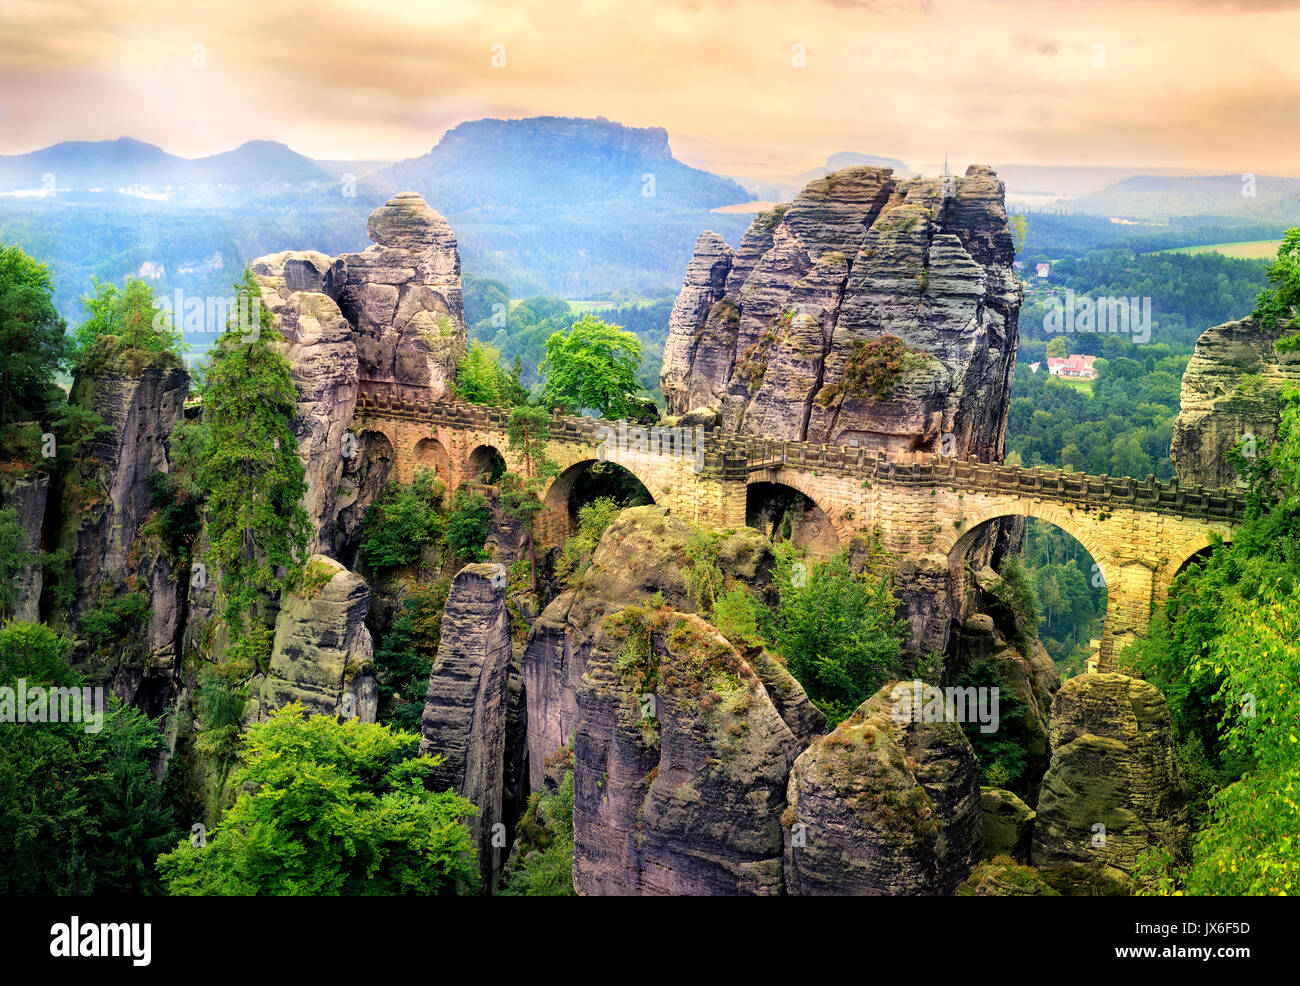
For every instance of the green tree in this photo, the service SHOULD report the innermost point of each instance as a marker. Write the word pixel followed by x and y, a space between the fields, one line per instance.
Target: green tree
pixel 528 430
pixel 592 365
pixel 32 342
pixel 127 314
pixel 482 379
pixel 542 862
pixel 330 809
pixel 14 557
pixel 403 522
pixel 836 630
pixel 1277 306
pixel 252 475
pixel 468 525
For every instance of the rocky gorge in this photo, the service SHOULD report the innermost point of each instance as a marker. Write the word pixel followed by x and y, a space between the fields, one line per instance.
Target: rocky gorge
pixel 871 312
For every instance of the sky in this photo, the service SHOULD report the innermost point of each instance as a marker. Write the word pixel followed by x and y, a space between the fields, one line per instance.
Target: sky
pixel 761 87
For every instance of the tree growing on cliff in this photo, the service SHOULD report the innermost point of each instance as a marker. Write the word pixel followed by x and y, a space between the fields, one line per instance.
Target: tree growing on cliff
pixel 1280 303
pixel 527 432
pixel 129 316
pixel 591 366
pixel 328 808
pixel 257 527
pixel 32 342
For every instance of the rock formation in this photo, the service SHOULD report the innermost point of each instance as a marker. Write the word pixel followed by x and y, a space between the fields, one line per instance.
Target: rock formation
pixel 465 709
pixel 764 334
pixel 110 550
pixel 403 298
pixel 1007 823
pixel 1230 390
pixel 883 807
pixel 323 362
pixel 322 654
pixel 27 497
pixel 680 763
pixel 1114 789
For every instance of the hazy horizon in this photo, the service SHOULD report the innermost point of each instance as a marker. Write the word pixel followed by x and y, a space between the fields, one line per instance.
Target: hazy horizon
pixel 754 89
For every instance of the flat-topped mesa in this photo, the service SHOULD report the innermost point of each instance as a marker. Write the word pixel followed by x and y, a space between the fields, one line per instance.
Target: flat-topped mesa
pixel 403 298
pixel 780 335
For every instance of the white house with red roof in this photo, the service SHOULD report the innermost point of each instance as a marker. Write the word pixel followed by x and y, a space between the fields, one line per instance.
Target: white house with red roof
pixel 1076 367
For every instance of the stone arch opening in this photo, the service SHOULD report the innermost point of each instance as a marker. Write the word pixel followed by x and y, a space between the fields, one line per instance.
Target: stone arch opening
pixel 784 513
pixel 432 454
pixel 584 482
pixel 486 465
pixel 1065 573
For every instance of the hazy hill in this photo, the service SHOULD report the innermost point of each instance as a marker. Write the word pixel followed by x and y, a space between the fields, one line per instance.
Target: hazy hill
pixel 1159 196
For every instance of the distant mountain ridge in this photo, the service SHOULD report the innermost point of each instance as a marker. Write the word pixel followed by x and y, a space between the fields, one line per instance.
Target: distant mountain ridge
pixel 127 162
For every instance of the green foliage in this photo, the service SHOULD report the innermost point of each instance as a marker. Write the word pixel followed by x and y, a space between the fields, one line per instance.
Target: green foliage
pixel 468 525
pixel 115 621
pixel 528 431
pixel 542 863
pixel 1001 753
pixel 177 500
pixel 482 379
pixel 1015 597
pixel 330 809
pixel 252 475
pixel 32 345
pixel 872 369
pixel 403 522
pixel 594 519
pixel 1277 306
pixel 90 794
pixel 405 656
pixel 126 316
pixel 836 630
pixel 736 614
pixel 591 366
pixel 14 557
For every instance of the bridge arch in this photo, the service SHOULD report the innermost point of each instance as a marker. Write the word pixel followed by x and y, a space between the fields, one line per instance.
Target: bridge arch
pixel 780 508
pixel 486 463
pixel 432 454
pixel 842 522
pixel 557 519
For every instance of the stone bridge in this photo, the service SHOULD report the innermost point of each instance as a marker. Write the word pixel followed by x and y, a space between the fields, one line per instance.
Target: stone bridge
pixel 1139 533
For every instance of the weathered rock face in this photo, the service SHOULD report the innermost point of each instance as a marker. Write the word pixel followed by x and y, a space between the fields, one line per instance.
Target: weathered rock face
pixel 1114 789
pixel 642 552
pixel 110 550
pixel 1230 390
pixel 27 497
pixel 465 709
pixel 403 297
pixel 322 654
pixel 680 762
pixel 1007 822
pixel 1004 877
pixel 323 361
pixel 764 333
pixel 883 807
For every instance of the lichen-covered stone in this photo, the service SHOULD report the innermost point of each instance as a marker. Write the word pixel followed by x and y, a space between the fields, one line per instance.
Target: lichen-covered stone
pixel 1007 822
pixel 883 807
pixel 1004 877
pixel 27 498
pixel 1113 789
pixel 1230 390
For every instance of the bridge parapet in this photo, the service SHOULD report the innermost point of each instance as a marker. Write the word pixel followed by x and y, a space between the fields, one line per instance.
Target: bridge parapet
pixel 733 459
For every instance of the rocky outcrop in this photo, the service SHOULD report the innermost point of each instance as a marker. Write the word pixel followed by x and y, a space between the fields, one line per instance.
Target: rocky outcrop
pixel 680 764
pixel 883 807
pixel 111 551
pixel 322 654
pixel 1114 789
pixel 323 366
pixel 466 706
pixel 1004 877
pixel 765 334
pixel 1230 391
pixel 27 497
pixel 403 297
pixel 1007 823
pixel 642 553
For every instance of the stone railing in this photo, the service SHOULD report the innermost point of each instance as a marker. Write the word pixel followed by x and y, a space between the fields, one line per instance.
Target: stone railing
pixel 735 458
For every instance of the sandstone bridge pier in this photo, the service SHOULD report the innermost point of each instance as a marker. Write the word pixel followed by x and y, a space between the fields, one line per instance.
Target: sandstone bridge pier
pixel 1139 533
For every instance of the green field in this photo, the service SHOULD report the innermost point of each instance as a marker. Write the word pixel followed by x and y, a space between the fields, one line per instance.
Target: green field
pixel 1250 250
